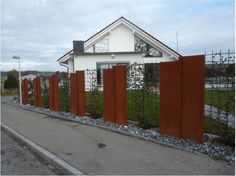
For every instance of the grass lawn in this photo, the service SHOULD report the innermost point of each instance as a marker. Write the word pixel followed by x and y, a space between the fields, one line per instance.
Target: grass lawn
pixel 9 92
pixel 215 127
pixel 144 106
pixel 221 99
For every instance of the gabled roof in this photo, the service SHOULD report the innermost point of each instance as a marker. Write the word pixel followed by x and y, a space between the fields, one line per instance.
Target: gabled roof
pixel 136 30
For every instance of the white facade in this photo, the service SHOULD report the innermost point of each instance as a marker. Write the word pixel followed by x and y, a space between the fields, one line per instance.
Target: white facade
pixel 90 61
pixel 117 43
pixel 121 39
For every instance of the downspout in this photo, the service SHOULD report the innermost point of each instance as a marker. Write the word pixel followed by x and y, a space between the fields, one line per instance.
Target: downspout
pixel 67 67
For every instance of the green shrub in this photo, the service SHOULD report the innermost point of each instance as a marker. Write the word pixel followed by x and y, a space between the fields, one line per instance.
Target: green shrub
pixel 144 107
pixel 45 100
pixel 94 102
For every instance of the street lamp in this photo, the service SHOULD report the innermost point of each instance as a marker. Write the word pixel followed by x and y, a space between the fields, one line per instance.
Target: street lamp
pixel 18 57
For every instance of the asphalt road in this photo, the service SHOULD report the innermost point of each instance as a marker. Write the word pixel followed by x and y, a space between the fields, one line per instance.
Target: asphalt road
pixel 17 160
pixel 98 151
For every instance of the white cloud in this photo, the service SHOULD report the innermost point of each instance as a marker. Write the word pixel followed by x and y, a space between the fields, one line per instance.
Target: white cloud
pixel 42 30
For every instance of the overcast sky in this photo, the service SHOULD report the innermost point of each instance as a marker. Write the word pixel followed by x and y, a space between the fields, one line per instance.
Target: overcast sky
pixel 40 31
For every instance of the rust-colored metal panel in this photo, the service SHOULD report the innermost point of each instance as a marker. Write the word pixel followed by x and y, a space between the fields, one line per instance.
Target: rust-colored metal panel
pixel 108 95
pixel 81 93
pixel 193 97
pixel 50 93
pixel 170 98
pixel 56 92
pixel 35 93
pixel 38 85
pixel 73 93
pixel 26 91
pixel 120 94
pixel 23 91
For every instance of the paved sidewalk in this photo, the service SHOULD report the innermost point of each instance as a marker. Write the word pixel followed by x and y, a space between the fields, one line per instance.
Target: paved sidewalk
pixel 16 160
pixel 97 151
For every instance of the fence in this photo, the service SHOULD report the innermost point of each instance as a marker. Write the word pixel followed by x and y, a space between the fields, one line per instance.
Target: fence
pixel 94 94
pixel 143 89
pixel 143 95
pixel 220 95
pixel 182 97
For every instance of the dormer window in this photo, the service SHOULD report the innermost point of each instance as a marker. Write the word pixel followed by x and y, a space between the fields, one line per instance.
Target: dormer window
pixel 150 51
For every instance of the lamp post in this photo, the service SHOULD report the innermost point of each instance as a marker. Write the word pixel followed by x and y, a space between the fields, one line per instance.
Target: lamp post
pixel 18 57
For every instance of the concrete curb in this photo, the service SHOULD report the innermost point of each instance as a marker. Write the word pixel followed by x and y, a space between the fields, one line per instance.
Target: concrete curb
pixel 45 154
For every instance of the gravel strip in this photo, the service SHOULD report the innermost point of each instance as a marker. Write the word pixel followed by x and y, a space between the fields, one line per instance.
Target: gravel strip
pixel 220 115
pixel 215 151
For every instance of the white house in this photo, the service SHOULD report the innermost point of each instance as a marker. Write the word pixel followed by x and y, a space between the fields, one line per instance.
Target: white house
pixel 121 42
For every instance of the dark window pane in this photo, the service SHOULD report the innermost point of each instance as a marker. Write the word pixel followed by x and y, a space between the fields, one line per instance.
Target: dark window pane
pixel 140 45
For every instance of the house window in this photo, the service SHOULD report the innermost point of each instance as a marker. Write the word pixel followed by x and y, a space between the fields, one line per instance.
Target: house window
pixel 90 50
pixel 152 72
pixel 140 45
pixel 101 46
pixel 102 66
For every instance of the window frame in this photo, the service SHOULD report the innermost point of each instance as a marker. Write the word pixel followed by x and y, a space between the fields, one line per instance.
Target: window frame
pixel 111 63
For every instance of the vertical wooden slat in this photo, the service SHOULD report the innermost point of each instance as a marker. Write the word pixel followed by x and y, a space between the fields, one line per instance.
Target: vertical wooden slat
pixel 108 95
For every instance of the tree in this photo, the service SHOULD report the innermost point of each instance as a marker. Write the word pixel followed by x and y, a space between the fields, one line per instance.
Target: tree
pixel 12 80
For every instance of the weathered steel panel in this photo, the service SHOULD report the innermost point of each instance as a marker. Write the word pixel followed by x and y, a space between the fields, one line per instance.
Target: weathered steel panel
pixel 193 97
pixel 81 93
pixel 73 93
pixel 56 92
pixel 120 82
pixel 35 92
pixel 38 85
pixel 170 98
pixel 50 93
pixel 23 91
pixel 108 95
pixel 26 92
